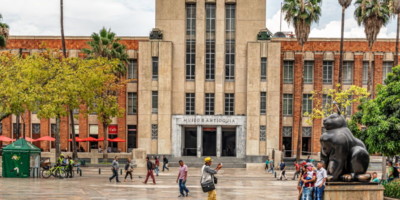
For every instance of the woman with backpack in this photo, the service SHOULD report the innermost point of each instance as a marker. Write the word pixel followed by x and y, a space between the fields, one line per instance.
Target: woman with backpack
pixel 128 169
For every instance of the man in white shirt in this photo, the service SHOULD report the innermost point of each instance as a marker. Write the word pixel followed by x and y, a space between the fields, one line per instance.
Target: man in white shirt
pixel 320 183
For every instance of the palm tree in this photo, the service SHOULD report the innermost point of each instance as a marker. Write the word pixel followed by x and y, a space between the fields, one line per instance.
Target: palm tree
pixel 106 44
pixel 395 7
pixel 301 14
pixel 345 4
pixel 4 31
pixel 372 14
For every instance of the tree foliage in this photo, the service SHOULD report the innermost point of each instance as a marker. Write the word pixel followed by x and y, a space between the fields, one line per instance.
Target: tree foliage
pixel 336 100
pixel 4 31
pixel 378 121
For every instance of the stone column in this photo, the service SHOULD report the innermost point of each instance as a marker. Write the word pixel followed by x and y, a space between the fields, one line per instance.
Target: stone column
pixel 199 141
pixel 219 141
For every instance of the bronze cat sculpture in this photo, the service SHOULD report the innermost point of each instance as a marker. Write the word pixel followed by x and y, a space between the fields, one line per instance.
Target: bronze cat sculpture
pixel 345 156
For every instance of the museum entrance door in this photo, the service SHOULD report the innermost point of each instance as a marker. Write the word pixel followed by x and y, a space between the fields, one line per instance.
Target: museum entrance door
pixel 228 142
pixel 209 142
pixel 190 144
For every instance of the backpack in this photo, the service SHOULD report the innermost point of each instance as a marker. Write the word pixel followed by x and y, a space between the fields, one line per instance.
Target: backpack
pixel 395 172
pixel 153 166
pixel 126 166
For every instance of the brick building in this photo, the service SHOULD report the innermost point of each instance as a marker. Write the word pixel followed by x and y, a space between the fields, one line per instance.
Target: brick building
pixel 209 86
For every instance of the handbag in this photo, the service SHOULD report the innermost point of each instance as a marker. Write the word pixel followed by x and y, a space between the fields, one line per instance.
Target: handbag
pixel 215 180
pixel 207 185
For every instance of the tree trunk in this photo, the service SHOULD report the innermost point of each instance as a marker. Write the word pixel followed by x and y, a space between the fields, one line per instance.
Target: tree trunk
pixel 74 153
pixel 341 50
pixel 396 57
pixel 370 70
pixel 299 136
pixel 105 133
pixel 62 28
pixel 17 123
pixel 57 137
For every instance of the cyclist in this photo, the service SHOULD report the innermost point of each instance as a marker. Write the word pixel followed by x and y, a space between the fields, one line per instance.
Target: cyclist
pixel 60 160
pixel 70 167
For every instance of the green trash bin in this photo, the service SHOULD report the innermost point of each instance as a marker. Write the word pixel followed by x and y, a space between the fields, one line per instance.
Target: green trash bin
pixel 17 159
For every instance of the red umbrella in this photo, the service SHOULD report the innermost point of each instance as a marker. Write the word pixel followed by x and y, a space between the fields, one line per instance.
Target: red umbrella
pixel 46 138
pixel 91 139
pixel 6 139
pixel 29 139
pixel 117 140
pixel 77 140
pixel 100 139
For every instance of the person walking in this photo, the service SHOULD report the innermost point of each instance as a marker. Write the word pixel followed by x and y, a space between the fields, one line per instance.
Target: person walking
pixel 207 174
pixel 282 167
pixel 165 163
pixel 320 182
pixel 70 167
pixel 114 169
pixel 150 168
pixel 308 180
pixel 390 171
pixel 297 170
pixel 271 166
pixel 157 165
pixel 181 180
pixel 266 165
pixel 128 169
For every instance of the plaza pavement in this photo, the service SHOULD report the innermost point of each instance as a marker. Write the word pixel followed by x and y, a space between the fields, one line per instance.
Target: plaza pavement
pixel 233 184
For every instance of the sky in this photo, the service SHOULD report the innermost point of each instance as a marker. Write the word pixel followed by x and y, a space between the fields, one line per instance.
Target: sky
pixel 137 18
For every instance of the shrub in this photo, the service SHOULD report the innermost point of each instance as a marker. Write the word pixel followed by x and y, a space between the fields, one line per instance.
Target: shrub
pixel 392 189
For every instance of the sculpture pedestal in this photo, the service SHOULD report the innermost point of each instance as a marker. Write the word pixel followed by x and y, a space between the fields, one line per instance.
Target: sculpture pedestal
pixel 353 191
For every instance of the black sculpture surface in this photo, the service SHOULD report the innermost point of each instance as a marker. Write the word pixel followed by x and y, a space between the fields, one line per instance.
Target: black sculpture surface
pixel 344 155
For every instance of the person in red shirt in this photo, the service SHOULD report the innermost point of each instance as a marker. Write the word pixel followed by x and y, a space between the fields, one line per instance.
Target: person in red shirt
pixel 308 179
pixel 157 163
pixel 297 172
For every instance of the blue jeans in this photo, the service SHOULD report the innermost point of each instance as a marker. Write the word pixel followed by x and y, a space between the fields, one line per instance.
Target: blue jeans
pixel 319 193
pixel 182 187
pixel 115 175
pixel 307 193
pixel 156 170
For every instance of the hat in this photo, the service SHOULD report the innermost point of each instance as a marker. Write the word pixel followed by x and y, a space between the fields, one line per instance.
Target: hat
pixel 208 159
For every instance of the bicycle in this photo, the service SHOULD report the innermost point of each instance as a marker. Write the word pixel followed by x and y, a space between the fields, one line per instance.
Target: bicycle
pixel 56 171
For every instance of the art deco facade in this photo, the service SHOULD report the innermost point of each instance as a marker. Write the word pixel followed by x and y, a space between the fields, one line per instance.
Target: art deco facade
pixel 209 86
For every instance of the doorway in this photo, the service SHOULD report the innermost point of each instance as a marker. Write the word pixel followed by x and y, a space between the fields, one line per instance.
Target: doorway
pixel 228 142
pixel 190 145
pixel 287 143
pixel 209 142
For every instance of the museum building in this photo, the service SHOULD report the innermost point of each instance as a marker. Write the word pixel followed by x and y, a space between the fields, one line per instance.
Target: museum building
pixel 209 81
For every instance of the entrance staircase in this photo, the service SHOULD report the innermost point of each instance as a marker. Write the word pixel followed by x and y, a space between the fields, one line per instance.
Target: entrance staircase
pixel 192 161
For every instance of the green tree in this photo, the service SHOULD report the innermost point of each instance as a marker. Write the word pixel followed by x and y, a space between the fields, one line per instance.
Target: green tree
pixel 301 14
pixel 378 121
pixel 372 14
pixel 106 44
pixel 345 4
pixel 336 100
pixel 395 8
pixel 4 31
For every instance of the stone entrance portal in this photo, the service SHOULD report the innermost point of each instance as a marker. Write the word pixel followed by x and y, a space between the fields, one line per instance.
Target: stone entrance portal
pixel 209 136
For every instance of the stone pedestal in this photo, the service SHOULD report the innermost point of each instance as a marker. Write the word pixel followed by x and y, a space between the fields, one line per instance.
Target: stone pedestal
pixel 353 191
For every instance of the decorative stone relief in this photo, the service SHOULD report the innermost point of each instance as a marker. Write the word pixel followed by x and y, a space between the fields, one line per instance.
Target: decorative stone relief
pixel 263 135
pixel 154 131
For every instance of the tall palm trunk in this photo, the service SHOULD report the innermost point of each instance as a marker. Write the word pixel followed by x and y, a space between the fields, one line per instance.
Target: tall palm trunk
pixel 62 28
pixel 396 57
pixel 300 128
pixel 370 87
pixel 341 49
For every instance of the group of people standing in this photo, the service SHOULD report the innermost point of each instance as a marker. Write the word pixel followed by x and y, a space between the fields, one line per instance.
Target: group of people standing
pixel 311 184
pixel 68 163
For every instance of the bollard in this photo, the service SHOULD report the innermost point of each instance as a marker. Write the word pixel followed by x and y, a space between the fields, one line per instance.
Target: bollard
pixel 80 172
pixel 99 171
pixel 275 174
pixel 121 171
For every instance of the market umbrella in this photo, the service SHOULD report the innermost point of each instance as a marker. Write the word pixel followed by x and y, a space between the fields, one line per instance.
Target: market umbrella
pixel 77 140
pixel 100 139
pixel 117 140
pixel 91 139
pixel 6 139
pixel 29 139
pixel 46 138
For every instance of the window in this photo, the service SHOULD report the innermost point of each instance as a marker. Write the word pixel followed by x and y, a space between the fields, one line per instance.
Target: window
pixel 263 133
pixel 306 131
pixel 365 73
pixel 53 128
pixel 155 68
pixel 1 128
pixel 287 104
pixel 35 128
pixel 132 69
pixel 209 104
pixel 154 100
pixel 210 41
pixel 288 72
pixel 306 140
pixel 190 103
pixel 387 68
pixel 190 41
pixel 347 73
pixel 230 30
pixel 308 72
pixel 287 131
pixel 132 103
pixel 263 69
pixel 349 109
pixel 307 103
pixel 229 104
pixel 15 128
pixel 132 136
pixel 93 129
pixel 75 111
pixel 154 131
pixel 76 129
pixel 327 72
pixel 287 140
pixel 263 103
pixel 326 101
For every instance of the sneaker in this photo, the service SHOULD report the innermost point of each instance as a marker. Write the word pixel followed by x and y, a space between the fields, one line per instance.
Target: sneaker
pixel 109 179
pixel 181 195
pixel 187 194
